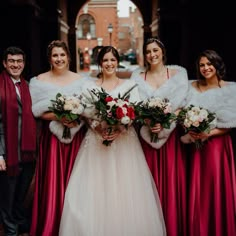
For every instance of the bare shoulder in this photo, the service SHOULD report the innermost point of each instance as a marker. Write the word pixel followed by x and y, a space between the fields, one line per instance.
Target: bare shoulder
pixel 44 76
pixel 98 82
pixel 223 83
pixel 142 74
pixel 174 70
pixel 74 75
pixel 195 84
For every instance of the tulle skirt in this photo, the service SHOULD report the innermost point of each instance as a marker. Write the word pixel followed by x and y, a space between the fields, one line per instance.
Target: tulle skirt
pixel 111 191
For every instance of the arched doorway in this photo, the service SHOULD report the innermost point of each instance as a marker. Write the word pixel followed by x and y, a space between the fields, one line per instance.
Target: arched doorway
pixel 123 31
pixel 149 22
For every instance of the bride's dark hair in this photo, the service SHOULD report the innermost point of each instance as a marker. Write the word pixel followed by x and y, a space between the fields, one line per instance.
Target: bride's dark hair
pixel 105 50
pixel 101 54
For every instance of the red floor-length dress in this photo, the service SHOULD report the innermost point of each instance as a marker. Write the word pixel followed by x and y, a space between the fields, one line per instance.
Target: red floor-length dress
pixel 168 167
pixel 54 164
pixel 212 179
pixel 212 189
pixel 168 163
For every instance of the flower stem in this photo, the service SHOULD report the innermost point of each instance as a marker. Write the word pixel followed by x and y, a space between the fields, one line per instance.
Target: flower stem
pixel 154 137
pixel 66 133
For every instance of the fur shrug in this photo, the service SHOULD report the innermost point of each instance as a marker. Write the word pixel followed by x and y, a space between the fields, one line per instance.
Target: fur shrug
pixel 43 92
pixel 175 89
pixel 218 100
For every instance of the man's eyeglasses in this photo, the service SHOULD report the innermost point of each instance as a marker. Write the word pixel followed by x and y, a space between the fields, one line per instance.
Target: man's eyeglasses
pixel 12 61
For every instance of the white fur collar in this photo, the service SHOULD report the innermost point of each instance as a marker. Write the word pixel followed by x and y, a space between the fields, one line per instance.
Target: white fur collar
pixel 42 93
pixel 219 100
pixel 175 89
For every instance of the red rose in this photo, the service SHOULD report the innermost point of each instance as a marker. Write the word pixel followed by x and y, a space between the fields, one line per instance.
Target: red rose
pixel 119 112
pixel 108 99
pixel 130 113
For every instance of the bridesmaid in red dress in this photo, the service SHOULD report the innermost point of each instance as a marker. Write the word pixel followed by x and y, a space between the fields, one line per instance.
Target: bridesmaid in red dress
pixel 56 154
pixel 212 186
pixel 166 158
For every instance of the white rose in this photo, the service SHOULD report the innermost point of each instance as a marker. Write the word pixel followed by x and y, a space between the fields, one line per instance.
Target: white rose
pixel 187 123
pixel 125 120
pixel 203 113
pixel 124 109
pixel 121 102
pixel 61 98
pixel 68 107
pixel 78 110
pixel 213 124
pixel 111 103
pixel 195 109
pixel 196 124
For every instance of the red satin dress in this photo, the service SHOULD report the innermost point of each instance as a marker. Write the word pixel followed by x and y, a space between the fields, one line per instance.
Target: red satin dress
pixel 212 189
pixel 168 168
pixel 54 166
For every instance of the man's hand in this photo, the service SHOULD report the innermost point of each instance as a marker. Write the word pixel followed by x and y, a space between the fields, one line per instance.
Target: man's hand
pixel 2 165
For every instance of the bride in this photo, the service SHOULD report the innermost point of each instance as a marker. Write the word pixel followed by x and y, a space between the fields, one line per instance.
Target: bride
pixel 111 191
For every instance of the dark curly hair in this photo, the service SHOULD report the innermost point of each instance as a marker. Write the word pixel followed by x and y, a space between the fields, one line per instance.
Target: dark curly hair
pixel 216 61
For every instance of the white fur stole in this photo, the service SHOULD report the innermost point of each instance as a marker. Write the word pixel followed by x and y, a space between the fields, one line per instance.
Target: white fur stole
pixel 163 135
pixel 57 129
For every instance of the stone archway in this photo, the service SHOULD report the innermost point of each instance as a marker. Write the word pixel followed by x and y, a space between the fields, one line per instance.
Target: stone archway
pixel 73 6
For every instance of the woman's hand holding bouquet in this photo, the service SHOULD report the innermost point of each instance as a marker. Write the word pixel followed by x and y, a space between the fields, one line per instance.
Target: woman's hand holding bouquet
pixel 112 115
pixel 197 123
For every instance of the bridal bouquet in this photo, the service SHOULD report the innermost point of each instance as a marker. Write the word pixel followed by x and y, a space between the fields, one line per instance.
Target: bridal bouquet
pixel 68 107
pixel 196 119
pixel 113 113
pixel 153 111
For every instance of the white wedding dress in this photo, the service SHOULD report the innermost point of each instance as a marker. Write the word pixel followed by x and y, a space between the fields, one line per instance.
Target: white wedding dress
pixel 111 191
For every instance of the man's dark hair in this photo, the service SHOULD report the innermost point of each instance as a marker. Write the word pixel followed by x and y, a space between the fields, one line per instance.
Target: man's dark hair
pixel 13 51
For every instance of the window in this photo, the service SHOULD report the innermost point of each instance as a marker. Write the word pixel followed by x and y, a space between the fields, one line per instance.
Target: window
pixel 86 24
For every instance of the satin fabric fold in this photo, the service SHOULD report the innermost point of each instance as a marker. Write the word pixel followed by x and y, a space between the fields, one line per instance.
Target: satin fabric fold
pixel 53 170
pixel 212 191
pixel 168 168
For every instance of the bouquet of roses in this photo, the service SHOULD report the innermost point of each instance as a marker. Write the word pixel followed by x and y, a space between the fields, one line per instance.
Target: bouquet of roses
pixel 153 111
pixel 113 113
pixel 68 107
pixel 196 119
